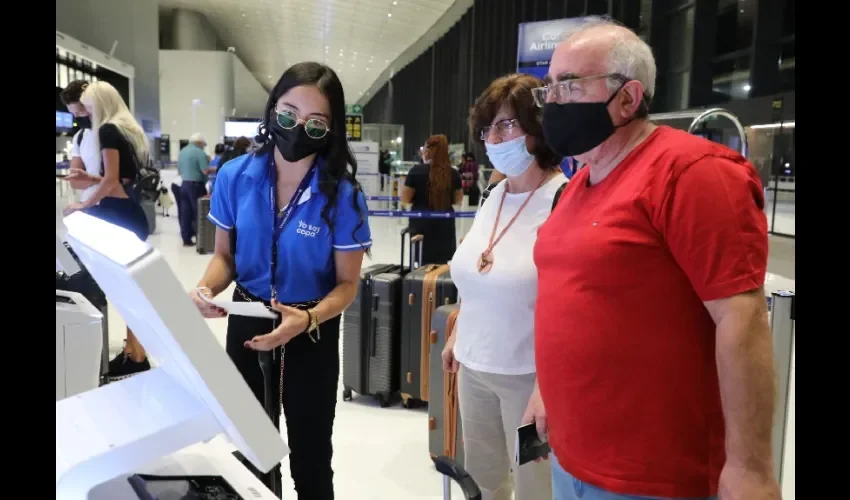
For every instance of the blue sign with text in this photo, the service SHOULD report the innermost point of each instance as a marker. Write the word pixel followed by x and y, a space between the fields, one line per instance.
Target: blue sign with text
pixel 537 42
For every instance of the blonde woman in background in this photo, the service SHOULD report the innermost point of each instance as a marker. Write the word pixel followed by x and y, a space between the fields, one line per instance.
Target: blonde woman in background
pixel 123 148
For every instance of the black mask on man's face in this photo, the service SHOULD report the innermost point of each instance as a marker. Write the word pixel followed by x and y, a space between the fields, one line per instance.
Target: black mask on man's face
pixel 294 144
pixel 83 121
pixel 575 128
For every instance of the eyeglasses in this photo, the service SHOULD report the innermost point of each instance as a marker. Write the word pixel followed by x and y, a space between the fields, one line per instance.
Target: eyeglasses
pixel 566 90
pixel 288 120
pixel 503 128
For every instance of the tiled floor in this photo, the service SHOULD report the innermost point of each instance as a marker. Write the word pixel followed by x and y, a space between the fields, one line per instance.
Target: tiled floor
pixel 378 453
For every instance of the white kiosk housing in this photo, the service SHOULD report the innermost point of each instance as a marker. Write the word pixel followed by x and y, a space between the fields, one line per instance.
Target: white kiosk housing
pixel 79 339
pixel 192 395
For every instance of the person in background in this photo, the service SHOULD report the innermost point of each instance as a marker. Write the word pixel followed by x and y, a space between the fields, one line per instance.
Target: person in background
pixel 434 186
pixel 240 147
pixel 85 151
pixel 493 269
pixel 469 175
pixel 193 166
pixel 124 148
pixel 384 167
pixel 299 254
pixel 653 346
pixel 214 164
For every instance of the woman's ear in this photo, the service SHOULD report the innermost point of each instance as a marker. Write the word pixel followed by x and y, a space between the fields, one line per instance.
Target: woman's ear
pixel 530 144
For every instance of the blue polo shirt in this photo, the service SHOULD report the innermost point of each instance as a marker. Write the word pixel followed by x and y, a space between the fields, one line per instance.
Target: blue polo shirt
pixel 305 249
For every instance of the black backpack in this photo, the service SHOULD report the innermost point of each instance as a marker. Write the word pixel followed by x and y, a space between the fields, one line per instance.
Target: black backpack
pixel 489 188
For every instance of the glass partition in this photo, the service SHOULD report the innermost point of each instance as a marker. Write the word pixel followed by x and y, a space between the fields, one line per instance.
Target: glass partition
pixel 773 154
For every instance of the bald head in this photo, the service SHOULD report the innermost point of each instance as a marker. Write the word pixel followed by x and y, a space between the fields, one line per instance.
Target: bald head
pixel 600 47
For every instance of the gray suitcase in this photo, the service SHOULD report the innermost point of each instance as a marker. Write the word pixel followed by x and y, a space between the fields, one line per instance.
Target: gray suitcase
pixel 205 239
pixel 441 392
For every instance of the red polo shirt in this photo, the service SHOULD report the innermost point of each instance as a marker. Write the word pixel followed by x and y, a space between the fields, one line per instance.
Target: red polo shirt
pixel 624 344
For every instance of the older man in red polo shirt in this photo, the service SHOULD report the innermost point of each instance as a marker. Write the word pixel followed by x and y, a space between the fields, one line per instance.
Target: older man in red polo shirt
pixel 652 341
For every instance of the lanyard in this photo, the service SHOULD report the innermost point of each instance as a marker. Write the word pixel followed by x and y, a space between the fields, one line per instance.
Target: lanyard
pixel 279 220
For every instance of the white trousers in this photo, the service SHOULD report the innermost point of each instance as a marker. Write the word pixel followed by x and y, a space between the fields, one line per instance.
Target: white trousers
pixel 491 409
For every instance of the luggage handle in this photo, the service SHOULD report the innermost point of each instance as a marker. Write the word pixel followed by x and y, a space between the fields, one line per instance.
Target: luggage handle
pixel 415 262
pixel 452 471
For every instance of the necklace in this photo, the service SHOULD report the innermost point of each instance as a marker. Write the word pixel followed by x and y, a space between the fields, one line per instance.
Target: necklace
pixel 485 262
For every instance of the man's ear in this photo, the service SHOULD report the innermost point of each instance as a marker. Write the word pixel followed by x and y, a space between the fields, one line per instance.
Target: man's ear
pixel 632 97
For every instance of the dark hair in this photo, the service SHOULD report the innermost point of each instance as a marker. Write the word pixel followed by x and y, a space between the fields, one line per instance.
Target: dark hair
pixel 440 174
pixel 515 92
pixel 219 148
pixel 242 143
pixel 72 92
pixel 337 155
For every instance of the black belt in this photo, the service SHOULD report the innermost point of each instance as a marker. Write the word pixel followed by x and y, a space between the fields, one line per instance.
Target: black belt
pixel 250 297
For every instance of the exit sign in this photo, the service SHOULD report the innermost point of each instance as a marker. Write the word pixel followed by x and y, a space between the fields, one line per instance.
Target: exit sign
pixel 353 109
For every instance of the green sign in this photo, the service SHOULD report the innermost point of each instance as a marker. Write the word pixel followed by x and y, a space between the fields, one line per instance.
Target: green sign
pixel 353 109
pixel 354 127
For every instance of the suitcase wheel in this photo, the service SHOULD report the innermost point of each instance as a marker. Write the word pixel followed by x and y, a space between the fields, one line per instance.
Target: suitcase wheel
pixel 346 394
pixel 383 400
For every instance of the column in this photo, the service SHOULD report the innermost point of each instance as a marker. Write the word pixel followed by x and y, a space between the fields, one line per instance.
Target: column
pixel 192 31
pixel 705 33
pixel 764 63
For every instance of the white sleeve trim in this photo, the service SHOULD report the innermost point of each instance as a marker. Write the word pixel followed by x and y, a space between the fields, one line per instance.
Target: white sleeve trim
pixel 354 246
pixel 219 223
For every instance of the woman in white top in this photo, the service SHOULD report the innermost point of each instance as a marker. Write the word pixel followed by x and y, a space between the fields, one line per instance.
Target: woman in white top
pixel 493 268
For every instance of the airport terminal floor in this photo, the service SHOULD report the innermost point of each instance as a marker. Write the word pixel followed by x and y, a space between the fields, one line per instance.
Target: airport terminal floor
pixel 379 453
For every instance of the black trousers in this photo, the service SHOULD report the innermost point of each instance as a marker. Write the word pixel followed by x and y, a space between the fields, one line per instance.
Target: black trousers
pixel 187 214
pixel 310 381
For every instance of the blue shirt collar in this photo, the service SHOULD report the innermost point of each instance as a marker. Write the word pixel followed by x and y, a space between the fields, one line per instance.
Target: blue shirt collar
pixel 258 171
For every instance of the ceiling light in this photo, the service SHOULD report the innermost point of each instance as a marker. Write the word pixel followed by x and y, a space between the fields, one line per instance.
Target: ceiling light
pixel 395 3
pixel 389 14
pixel 367 69
pixel 243 14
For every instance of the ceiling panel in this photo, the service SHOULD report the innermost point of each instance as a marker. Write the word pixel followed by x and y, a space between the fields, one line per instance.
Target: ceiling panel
pixel 357 38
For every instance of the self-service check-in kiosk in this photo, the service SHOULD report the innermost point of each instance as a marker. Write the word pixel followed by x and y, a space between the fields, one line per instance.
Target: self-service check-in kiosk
pixel 79 333
pixel 147 436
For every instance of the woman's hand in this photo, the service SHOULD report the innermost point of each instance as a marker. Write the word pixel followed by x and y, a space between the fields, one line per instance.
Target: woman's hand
pixel 450 364
pixel 292 322
pixel 207 310
pixel 73 207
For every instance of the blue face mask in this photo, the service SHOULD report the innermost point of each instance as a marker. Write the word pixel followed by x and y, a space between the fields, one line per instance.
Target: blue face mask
pixel 510 157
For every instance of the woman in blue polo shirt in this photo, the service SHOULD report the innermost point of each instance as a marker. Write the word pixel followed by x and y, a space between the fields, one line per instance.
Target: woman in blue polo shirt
pixel 299 221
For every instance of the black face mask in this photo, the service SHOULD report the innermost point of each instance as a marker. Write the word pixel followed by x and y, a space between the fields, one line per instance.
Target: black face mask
pixel 83 121
pixel 575 128
pixel 294 144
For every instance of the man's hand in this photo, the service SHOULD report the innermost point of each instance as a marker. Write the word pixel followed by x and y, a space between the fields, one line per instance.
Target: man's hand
pixel 292 323
pixel 80 179
pixel 740 483
pixel 536 413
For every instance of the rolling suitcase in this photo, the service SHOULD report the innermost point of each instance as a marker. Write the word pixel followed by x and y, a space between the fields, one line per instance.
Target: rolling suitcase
pixel 205 240
pixel 444 436
pixel 452 471
pixel 423 290
pixel 370 346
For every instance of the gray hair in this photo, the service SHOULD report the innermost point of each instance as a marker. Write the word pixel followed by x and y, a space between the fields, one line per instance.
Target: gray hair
pixel 630 56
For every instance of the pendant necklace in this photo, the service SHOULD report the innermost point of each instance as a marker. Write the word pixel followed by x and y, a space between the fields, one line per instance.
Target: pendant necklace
pixel 485 262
